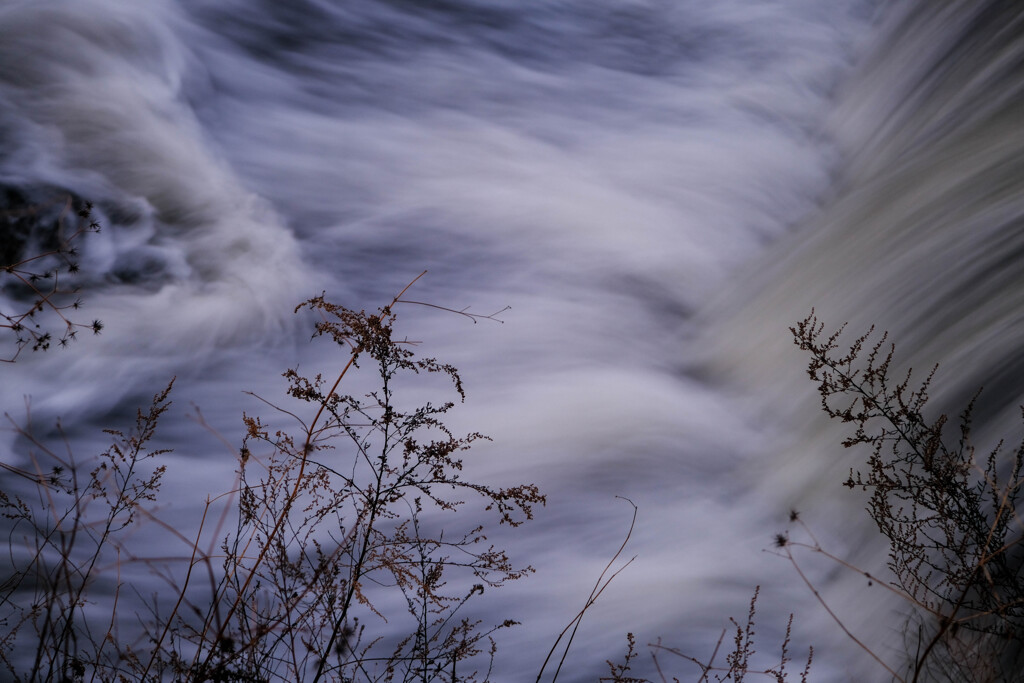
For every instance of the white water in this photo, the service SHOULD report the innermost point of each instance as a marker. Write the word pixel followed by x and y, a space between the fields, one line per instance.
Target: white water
pixel 657 189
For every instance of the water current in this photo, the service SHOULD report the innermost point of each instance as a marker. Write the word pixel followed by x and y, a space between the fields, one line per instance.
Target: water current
pixel 657 189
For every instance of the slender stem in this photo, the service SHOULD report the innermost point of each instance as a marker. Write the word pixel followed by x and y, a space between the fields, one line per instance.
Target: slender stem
pixel 836 619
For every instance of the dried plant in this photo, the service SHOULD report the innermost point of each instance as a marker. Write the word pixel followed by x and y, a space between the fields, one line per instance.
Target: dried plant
pixel 599 587
pixel 60 541
pixel 35 263
pixel 617 673
pixel 738 664
pixel 340 537
pixel 949 516
pixel 344 562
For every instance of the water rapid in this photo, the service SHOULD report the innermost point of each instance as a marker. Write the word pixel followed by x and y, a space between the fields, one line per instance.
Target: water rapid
pixel 657 188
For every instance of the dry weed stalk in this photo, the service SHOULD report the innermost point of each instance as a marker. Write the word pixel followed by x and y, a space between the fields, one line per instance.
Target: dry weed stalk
pixel 36 276
pixel 339 539
pixel 950 518
pixel 59 545
pixel 738 664
pixel 599 587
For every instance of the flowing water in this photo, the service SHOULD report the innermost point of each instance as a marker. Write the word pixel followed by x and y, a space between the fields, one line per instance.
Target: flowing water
pixel 657 188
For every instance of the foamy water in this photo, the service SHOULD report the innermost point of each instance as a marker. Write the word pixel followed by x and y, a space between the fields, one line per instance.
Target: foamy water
pixel 657 189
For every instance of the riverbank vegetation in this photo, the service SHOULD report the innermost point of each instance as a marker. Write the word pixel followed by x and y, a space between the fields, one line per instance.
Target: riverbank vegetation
pixel 38 265
pixel 348 510
pixel 329 520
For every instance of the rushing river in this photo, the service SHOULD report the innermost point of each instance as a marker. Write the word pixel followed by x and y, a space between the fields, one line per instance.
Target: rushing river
pixel 657 189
